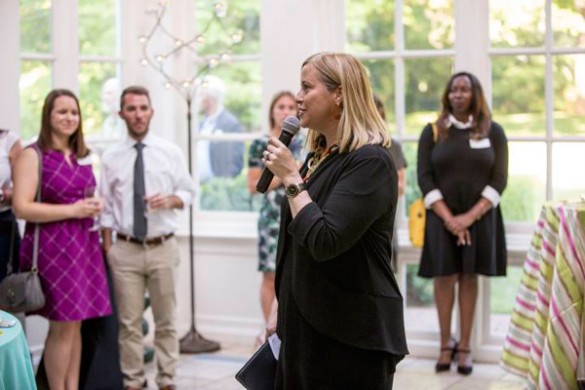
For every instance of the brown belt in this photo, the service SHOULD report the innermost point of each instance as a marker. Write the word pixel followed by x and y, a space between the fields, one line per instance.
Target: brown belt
pixel 153 241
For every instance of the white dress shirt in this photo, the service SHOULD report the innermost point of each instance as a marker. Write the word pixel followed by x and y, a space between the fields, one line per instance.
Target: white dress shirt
pixel 7 141
pixel 165 172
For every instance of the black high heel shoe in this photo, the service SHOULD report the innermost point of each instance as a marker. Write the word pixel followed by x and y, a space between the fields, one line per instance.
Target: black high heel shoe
pixel 441 367
pixel 464 370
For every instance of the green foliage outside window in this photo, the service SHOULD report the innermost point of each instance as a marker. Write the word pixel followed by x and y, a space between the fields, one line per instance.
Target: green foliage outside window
pixel 98 27
pixel 35 84
pixel 242 16
pixel 35 26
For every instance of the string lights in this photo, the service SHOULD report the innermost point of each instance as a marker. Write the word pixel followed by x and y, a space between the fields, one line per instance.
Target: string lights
pixel 161 59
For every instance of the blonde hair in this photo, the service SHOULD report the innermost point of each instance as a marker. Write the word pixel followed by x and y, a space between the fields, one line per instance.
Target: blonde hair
pixel 360 124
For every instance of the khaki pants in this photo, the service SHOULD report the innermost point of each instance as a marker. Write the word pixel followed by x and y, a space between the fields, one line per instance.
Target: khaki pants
pixel 136 268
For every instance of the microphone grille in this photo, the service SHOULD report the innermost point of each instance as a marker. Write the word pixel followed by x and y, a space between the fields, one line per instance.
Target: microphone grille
pixel 291 124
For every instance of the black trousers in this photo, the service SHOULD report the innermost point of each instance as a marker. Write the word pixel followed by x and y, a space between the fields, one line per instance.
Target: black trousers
pixel 9 242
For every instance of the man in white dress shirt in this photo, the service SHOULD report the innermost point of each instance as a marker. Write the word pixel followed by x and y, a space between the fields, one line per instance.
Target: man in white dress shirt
pixel 144 179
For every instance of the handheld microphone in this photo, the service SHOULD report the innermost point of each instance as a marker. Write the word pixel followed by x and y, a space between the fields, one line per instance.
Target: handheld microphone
pixel 290 126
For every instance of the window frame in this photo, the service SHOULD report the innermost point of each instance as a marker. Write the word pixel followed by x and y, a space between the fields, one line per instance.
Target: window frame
pixel 472 51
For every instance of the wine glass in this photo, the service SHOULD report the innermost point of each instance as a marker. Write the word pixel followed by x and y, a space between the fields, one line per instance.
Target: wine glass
pixel 153 190
pixel 88 193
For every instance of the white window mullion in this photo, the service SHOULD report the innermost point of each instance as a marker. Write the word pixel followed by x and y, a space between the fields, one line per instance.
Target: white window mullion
pixel 549 96
pixel 10 44
pixel 135 24
pixel 399 77
pixel 472 55
pixel 282 53
pixel 472 39
pixel 65 39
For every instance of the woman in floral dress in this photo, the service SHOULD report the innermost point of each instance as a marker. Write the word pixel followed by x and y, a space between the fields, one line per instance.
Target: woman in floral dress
pixel 283 105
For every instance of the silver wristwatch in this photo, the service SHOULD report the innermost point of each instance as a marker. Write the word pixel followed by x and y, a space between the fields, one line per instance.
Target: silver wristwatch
pixel 293 190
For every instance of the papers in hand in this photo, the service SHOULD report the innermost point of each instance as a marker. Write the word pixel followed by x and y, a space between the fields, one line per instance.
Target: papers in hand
pixel 259 372
pixel 274 343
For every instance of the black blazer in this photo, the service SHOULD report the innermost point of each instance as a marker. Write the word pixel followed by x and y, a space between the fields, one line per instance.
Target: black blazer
pixel 341 249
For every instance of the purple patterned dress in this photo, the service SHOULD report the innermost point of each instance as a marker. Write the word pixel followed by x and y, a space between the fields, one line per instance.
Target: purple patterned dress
pixel 71 265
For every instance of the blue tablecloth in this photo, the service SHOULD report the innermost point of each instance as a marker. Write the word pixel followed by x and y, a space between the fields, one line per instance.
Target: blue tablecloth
pixel 16 372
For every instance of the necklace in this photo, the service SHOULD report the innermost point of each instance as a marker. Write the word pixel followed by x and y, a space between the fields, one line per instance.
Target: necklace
pixel 317 159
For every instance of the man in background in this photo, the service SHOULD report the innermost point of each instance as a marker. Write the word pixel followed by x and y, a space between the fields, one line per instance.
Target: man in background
pixel 216 158
pixel 113 127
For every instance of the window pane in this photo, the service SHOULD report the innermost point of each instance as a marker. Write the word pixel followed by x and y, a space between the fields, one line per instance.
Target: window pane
pixel 226 191
pixel 98 27
pixel 518 94
pixel 526 190
pixel 370 25
pixel 412 192
pixel 424 83
pixel 517 23
pixel 568 23
pixel 243 92
pixel 229 193
pixel 420 314
pixel 502 293
pixel 99 96
pixel 381 74
pixel 568 162
pixel 428 24
pixel 34 84
pixel 244 16
pixel 240 26
pixel 569 100
pixel 35 26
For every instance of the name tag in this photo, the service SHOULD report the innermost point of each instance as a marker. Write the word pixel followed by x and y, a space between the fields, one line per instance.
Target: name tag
pixel 480 143
pixel 87 160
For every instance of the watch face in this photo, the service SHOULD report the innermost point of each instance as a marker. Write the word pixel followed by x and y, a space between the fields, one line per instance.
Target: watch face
pixel 293 190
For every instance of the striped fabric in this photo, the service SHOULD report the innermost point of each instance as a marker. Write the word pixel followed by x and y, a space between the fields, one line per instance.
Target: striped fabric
pixel 544 340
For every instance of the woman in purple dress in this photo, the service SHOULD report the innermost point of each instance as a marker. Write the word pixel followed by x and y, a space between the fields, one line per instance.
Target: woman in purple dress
pixel 70 261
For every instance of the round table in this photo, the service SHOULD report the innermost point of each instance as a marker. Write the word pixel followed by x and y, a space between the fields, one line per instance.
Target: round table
pixel 16 370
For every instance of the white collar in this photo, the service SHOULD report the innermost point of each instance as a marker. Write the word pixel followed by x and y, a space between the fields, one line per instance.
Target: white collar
pixel 130 142
pixel 461 125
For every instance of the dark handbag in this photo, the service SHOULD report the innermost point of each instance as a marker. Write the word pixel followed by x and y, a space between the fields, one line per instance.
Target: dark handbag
pixel 259 372
pixel 22 291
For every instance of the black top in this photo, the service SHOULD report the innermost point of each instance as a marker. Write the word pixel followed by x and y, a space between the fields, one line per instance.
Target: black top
pixel 461 169
pixel 334 258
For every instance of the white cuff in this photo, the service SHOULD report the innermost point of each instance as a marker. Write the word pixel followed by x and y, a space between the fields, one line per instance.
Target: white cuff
pixel 106 221
pixel 492 195
pixel 185 197
pixel 432 197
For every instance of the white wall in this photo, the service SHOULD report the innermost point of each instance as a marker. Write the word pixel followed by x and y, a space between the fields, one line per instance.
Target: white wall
pixel 227 285
pixel 9 65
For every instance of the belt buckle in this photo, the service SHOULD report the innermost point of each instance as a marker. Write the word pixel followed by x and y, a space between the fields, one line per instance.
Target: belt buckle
pixel 145 243
pixel 154 242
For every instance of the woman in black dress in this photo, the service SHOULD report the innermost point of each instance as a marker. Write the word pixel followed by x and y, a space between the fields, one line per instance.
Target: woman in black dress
pixel 340 312
pixel 462 172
